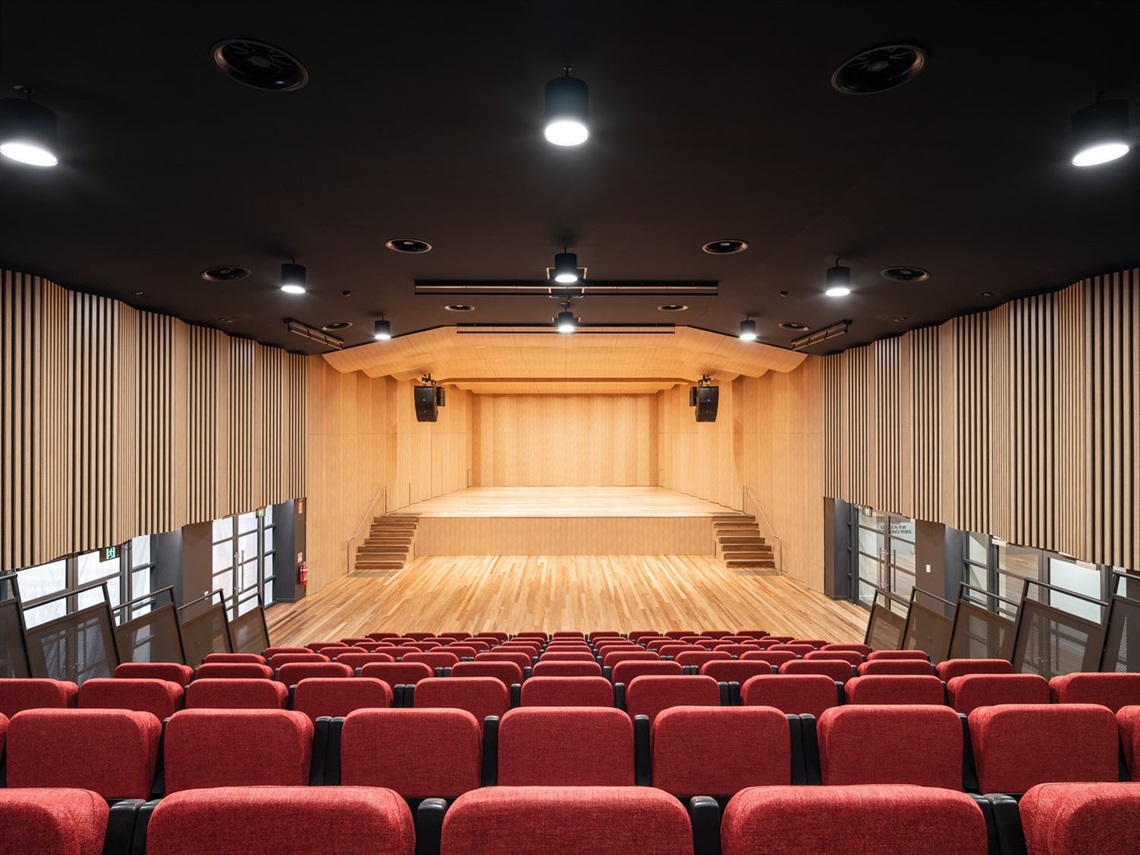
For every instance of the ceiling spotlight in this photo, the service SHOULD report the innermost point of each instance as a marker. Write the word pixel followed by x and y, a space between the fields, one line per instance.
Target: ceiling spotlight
pixel 838 281
pixel 566 323
pixel 567 100
pixel 293 278
pixel 27 130
pixel 1100 132
pixel 382 330
pixel 566 268
pixel 748 330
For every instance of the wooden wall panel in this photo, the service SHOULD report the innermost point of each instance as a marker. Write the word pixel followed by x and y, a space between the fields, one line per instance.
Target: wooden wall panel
pixel 120 422
pixel 697 457
pixel 926 423
pixel 565 440
pixel 1000 408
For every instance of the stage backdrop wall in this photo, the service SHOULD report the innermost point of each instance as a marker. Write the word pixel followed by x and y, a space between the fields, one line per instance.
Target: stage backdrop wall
pixel 564 440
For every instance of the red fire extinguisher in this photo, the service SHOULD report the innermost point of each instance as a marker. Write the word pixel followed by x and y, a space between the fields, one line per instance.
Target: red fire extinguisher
pixel 302 573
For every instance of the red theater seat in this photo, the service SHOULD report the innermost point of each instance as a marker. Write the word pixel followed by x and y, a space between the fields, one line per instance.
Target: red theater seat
pixel 877 655
pixel 110 752
pixel 650 694
pixel 719 751
pixel 861 649
pixel 279 659
pixel 566 669
pixel 613 658
pixel 497 637
pixel 173 671
pixel 851 657
pixel 566 746
pixel 919 745
pixel 797 649
pixel 541 691
pixel 952 668
pixel 567 821
pixel 3 735
pixel 418 753
pixel 463 651
pixel 896 667
pixel 506 672
pixel 1082 819
pixel 1128 719
pixel 246 658
pixel 1018 747
pixel 752 633
pixel 598 635
pixel 697 659
pixel 270 652
pixel 52 822
pixel 275 820
pixel 359 660
pixel 236 695
pixel 560 656
pixel 775 658
pixel 233 671
pixel 523 660
pixel 889 689
pixel 735 649
pixel 237 748
pixel 161 698
pixel 1111 690
pixel 295 672
pixel 434 659
pixel 397 673
pixel 816 643
pixel 18 694
pixel 880 820
pixel 734 671
pixel 382 636
pixel 970 691
pixel 480 696
pixel 836 669
pixel 458 635
pixel 626 672
pixel 318 696
pixel 792 694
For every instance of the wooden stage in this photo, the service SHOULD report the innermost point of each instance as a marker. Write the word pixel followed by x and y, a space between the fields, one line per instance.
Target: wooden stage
pixel 565 521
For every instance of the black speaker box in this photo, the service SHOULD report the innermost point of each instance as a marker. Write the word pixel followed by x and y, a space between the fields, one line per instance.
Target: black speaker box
pixel 707 399
pixel 426 410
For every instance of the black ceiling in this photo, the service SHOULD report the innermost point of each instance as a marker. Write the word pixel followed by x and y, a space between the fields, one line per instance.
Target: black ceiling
pixel 708 120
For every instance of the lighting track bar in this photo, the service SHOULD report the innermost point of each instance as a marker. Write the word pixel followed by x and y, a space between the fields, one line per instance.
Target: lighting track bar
pixel 313 334
pixel 538 287
pixel 821 335
pixel 582 329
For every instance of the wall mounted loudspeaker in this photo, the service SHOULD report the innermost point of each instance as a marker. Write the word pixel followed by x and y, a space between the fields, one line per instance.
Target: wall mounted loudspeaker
pixel 426 407
pixel 707 399
pixel 692 396
pixel 440 397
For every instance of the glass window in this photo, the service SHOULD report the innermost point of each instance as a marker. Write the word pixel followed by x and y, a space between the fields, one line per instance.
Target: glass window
pixel 1080 578
pixel 41 581
pixel 223 528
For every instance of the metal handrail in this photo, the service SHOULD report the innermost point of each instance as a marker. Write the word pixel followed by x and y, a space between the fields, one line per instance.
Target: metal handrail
pixel 382 491
pixel 748 491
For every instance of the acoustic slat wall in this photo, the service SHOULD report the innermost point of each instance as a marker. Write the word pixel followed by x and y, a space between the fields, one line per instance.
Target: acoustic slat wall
pixel 1024 421
pixel 117 422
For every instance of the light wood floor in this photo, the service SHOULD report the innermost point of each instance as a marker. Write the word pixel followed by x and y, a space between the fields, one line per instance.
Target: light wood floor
pixel 521 593
pixel 565 502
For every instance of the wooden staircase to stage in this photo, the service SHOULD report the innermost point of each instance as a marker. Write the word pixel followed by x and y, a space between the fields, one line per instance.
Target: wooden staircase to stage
pixel 739 542
pixel 389 543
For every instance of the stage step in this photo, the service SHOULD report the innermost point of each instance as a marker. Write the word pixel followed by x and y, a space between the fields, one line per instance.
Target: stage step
pixel 740 544
pixel 389 543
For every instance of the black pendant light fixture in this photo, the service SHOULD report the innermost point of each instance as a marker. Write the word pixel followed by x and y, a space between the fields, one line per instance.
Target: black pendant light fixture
pixel 838 281
pixel 567 111
pixel 293 278
pixel 565 268
pixel 566 323
pixel 27 130
pixel 1100 132
pixel 748 330
pixel 382 330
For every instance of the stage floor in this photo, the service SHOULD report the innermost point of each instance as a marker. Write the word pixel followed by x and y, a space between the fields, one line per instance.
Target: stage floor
pixel 565 502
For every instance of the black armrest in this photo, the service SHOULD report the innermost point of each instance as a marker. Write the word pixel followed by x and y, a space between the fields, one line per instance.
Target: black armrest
pixel 332 755
pixel 993 844
pixel 1007 822
pixel 969 768
pixel 811 751
pixel 292 697
pixel 527 671
pixel 607 671
pixel 799 762
pixel 725 696
pixel 704 813
pixel 429 826
pixel 734 694
pixel 642 761
pixel 490 750
pixel 619 695
pixel 142 820
pixel 410 695
pixel 121 826
pixel 516 695
pixel 320 751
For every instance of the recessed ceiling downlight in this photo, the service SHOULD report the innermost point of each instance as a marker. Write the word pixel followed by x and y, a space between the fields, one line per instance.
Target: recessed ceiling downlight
pixel 725 246
pixel 794 326
pixel 458 307
pixel 408 245
pixel 673 307
pixel 334 326
pixel 225 273
pixel 260 65
pixel 906 274
pixel 879 69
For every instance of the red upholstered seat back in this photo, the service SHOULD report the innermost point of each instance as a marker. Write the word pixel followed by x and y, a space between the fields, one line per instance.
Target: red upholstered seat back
pixel 233 671
pixel 3 734
pixel 952 668
pixel 160 698
pixel 506 672
pixel 598 635
pixel 779 639
pixel 752 633
pixel 816 643
pixel 434 659
pixel 890 689
pixel 594 820
pixel 719 750
pixel 1128 719
pixel 1018 747
pixel 295 672
pixel 175 672
pixel 566 747
pixel 419 636
pixel 498 637
pixel 793 694
pixel 775 658
pixel 110 752
pixel 613 658
pixel 851 657
pixel 418 753
pixel 1111 690
pixel 626 672
pixel 270 652
pixel 735 649
pixel 17 694
pixel 318 696
pixel 254 658
pixel 566 669
pixel 735 671
pixel 321 646
pixel 690 657
pixel 866 744
pixel 463 651
pixel 540 691
pixel 677 648
pixel 836 669
pixel 455 634
pixel 1075 819
pixel 876 655
pixel 279 659
pixel 970 691
pixel 882 820
pixel 862 649
pixel 567 656
pixel 480 696
pixel 397 673
pixel 274 820
pixel 359 660
pixel 794 647
pixel 523 660
pixel 236 695
pixel 479 645
pixel 897 667
pixel 651 694
pixel 52 821
pixel 237 748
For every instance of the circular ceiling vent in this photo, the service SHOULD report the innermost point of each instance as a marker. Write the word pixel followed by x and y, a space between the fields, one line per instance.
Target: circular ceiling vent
pixel 224 273
pixel 672 307
pixel 725 246
pixel 794 326
pixel 906 274
pixel 459 307
pixel 408 245
pixel 336 326
pixel 879 69
pixel 260 65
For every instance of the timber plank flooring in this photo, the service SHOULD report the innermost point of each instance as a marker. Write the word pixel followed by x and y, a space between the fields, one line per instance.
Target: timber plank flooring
pixel 564 592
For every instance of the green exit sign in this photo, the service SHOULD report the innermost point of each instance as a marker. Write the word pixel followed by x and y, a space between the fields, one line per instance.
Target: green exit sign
pixel 110 553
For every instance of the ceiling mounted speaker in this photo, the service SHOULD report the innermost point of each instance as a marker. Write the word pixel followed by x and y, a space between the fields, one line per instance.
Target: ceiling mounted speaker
pixel 708 397
pixel 879 69
pixel 260 65
pixel 427 407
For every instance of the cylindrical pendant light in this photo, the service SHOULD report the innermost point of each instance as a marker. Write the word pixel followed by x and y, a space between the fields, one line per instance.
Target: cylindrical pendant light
pixel 838 281
pixel 566 323
pixel 293 278
pixel 566 268
pixel 748 330
pixel 27 131
pixel 567 111
pixel 382 330
pixel 1100 132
